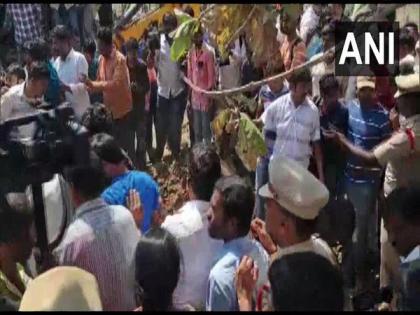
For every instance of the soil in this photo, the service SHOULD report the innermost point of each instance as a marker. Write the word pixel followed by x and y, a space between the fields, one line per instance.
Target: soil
pixel 171 175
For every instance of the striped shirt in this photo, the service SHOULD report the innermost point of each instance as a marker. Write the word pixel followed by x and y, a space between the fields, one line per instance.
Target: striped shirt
pixel 27 21
pixel 366 129
pixel 292 128
pixel 102 240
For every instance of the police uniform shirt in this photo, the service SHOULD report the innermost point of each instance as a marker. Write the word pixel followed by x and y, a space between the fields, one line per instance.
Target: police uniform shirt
pixel 314 244
pixel 401 156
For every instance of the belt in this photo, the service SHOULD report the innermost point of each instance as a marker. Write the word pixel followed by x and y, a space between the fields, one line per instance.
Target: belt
pixel 363 172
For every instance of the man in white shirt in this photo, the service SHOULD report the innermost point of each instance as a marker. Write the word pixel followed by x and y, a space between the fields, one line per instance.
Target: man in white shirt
pixel 309 21
pixel 172 98
pixel 23 99
pixel 190 226
pixel 71 66
pixel 292 126
pixel 230 71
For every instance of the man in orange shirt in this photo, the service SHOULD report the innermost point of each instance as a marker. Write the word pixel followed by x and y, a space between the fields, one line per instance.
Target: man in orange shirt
pixel 113 80
pixel 292 49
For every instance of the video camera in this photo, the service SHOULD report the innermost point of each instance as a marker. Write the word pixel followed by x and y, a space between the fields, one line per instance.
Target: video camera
pixel 58 141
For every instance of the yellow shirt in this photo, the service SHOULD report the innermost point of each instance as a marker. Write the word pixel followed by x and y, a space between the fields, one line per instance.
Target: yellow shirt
pixel 8 289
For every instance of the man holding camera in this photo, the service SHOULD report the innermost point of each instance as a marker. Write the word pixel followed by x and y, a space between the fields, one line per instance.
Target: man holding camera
pixel 24 98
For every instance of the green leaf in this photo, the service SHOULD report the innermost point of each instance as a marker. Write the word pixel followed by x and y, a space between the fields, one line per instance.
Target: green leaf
pixel 246 103
pixel 181 16
pixel 186 28
pixel 179 47
pixel 250 144
pixel 183 38
pixel 220 122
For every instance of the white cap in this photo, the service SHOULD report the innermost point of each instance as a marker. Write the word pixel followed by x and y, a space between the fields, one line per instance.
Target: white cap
pixel 62 289
pixel 407 84
pixel 294 188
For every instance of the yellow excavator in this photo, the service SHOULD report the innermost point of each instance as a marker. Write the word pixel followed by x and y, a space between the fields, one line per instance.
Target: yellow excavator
pixel 137 27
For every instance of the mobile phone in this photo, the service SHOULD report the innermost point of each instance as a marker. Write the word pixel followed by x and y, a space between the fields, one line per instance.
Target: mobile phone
pixel 331 127
pixel 323 130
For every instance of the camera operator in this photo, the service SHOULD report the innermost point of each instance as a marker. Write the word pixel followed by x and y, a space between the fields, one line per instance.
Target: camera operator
pixel 24 98
pixel 15 75
pixel 39 50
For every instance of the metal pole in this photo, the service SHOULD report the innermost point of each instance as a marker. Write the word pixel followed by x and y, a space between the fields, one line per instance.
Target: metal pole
pixel 40 222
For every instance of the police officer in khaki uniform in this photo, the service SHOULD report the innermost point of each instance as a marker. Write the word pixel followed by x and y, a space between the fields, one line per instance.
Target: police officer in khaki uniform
pixel 401 156
pixel 294 198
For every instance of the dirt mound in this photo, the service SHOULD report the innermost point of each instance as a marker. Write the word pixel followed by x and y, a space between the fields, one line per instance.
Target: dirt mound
pixel 171 177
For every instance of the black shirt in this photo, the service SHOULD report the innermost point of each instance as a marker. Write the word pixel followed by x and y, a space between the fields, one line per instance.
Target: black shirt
pixel 336 117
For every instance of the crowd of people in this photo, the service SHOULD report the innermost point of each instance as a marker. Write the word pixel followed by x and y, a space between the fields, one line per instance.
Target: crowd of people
pixel 342 165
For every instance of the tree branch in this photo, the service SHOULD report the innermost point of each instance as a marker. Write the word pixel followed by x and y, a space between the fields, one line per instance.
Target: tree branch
pixel 206 11
pixel 253 85
pixel 380 13
pixel 239 30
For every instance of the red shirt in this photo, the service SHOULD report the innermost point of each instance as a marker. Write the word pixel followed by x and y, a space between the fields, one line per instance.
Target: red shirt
pixel 201 72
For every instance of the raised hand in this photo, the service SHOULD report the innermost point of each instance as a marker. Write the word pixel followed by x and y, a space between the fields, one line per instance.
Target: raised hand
pixel 260 233
pixel 133 203
pixel 246 280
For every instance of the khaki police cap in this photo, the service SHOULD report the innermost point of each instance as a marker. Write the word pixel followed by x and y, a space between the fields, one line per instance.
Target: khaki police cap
pixel 295 189
pixel 62 289
pixel 407 84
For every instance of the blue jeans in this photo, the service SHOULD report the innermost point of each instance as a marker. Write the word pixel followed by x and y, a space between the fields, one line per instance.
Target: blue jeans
pixel 170 114
pixel 363 197
pixel 261 178
pixel 333 174
pixel 202 130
